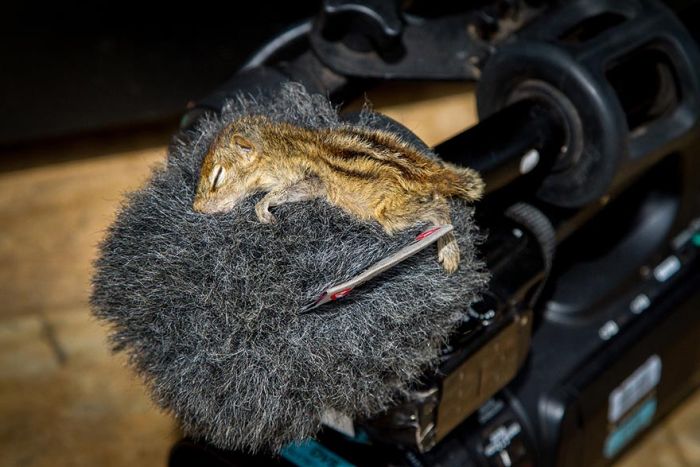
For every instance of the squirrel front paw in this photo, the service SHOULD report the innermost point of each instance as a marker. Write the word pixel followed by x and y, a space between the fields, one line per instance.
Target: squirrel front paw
pixel 262 210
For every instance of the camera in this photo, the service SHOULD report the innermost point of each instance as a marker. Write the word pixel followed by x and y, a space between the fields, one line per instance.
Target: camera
pixel 587 140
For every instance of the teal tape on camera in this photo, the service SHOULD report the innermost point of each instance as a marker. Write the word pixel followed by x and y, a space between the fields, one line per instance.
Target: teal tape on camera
pixel 629 428
pixel 312 454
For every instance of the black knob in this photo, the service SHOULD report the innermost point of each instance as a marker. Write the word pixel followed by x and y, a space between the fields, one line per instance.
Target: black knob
pixel 486 309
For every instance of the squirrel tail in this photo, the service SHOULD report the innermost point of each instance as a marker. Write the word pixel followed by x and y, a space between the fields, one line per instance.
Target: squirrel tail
pixel 461 182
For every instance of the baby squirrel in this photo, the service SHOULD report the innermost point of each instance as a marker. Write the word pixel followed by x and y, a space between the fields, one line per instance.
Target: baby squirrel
pixel 371 174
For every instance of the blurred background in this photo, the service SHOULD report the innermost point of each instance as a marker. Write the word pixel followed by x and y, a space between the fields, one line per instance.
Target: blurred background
pixel 84 116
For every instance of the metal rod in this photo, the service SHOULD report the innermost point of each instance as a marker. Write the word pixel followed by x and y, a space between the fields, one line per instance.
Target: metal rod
pixel 515 141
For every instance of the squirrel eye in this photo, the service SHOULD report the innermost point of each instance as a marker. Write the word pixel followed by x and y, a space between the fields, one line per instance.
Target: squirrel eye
pixel 217 176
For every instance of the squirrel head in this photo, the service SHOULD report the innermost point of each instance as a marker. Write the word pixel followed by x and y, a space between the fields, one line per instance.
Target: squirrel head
pixel 231 159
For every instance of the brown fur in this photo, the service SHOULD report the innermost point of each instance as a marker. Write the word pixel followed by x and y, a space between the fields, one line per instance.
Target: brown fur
pixel 369 173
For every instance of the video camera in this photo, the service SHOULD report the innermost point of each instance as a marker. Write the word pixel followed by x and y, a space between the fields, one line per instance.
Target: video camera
pixel 588 143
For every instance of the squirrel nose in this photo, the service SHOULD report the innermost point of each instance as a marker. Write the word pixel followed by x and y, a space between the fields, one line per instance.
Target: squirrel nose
pixel 198 205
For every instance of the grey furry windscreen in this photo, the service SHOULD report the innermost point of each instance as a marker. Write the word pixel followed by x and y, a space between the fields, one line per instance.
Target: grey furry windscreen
pixel 207 306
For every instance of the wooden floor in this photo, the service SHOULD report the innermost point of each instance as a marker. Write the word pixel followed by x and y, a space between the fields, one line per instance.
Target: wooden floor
pixel 64 400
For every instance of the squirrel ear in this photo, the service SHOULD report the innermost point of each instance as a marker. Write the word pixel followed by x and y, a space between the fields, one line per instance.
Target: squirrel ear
pixel 243 143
